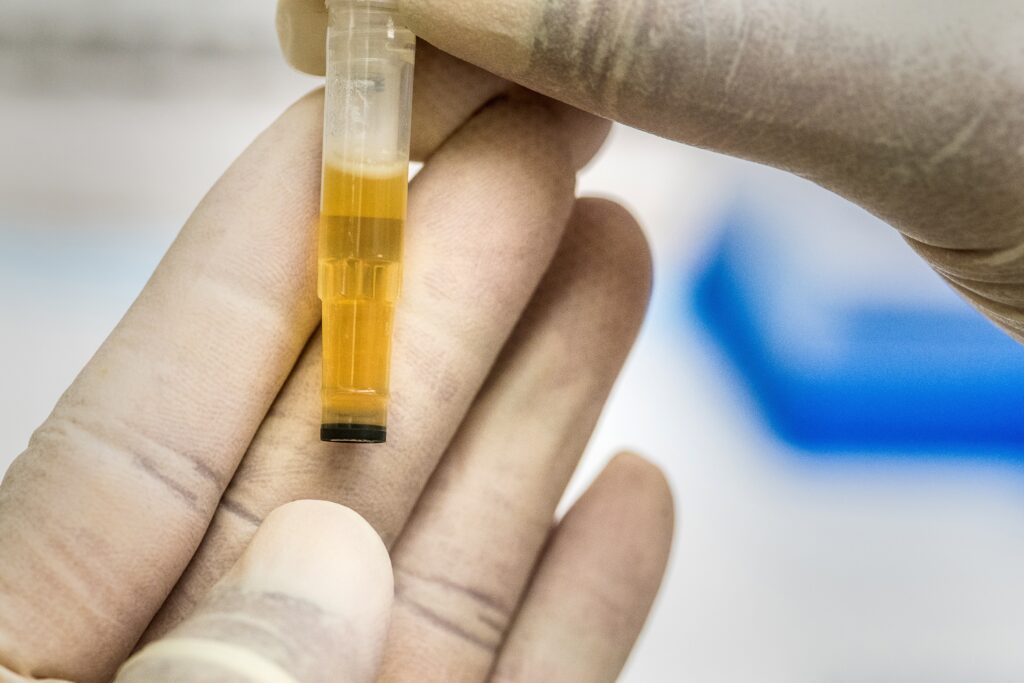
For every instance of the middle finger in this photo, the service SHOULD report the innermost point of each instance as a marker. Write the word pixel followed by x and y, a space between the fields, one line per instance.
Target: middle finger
pixel 485 217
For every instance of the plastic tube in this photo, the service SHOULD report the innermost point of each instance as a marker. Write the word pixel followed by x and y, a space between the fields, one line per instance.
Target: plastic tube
pixel 367 113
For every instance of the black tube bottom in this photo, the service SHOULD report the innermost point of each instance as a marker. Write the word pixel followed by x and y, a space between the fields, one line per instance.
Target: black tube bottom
pixel 348 433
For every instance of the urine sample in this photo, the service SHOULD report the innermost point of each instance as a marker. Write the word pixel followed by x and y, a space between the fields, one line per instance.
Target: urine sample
pixel 367 113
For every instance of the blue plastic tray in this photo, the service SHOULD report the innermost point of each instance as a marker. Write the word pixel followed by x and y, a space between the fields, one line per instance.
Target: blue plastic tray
pixel 846 340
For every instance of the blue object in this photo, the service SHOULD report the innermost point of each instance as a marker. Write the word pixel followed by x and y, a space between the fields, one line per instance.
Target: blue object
pixel 846 339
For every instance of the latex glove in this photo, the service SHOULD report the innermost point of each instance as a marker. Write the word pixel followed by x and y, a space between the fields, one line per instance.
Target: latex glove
pixel 913 109
pixel 134 498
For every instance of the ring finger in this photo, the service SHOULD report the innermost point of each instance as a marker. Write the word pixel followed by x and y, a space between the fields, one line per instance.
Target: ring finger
pixel 463 561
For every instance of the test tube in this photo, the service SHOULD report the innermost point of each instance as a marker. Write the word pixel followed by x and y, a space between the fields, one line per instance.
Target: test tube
pixel 367 113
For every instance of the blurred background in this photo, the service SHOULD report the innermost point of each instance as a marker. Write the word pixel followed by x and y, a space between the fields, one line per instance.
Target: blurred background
pixel 844 436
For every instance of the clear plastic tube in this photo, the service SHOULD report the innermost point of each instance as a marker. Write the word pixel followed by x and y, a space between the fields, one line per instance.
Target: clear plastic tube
pixel 367 114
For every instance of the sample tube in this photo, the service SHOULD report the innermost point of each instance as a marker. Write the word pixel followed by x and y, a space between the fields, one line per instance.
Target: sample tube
pixel 367 112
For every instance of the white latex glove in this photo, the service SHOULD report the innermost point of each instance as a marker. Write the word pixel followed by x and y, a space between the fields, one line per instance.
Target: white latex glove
pixel 199 416
pixel 913 109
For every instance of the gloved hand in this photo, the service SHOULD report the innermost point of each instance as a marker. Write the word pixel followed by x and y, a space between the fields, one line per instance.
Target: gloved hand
pixel 913 109
pixel 200 415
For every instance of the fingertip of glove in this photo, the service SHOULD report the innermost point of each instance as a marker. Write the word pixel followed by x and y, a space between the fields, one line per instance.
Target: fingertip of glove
pixel 321 552
pixel 302 34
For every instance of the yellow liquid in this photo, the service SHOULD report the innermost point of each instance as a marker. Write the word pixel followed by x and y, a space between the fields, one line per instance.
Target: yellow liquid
pixel 362 218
